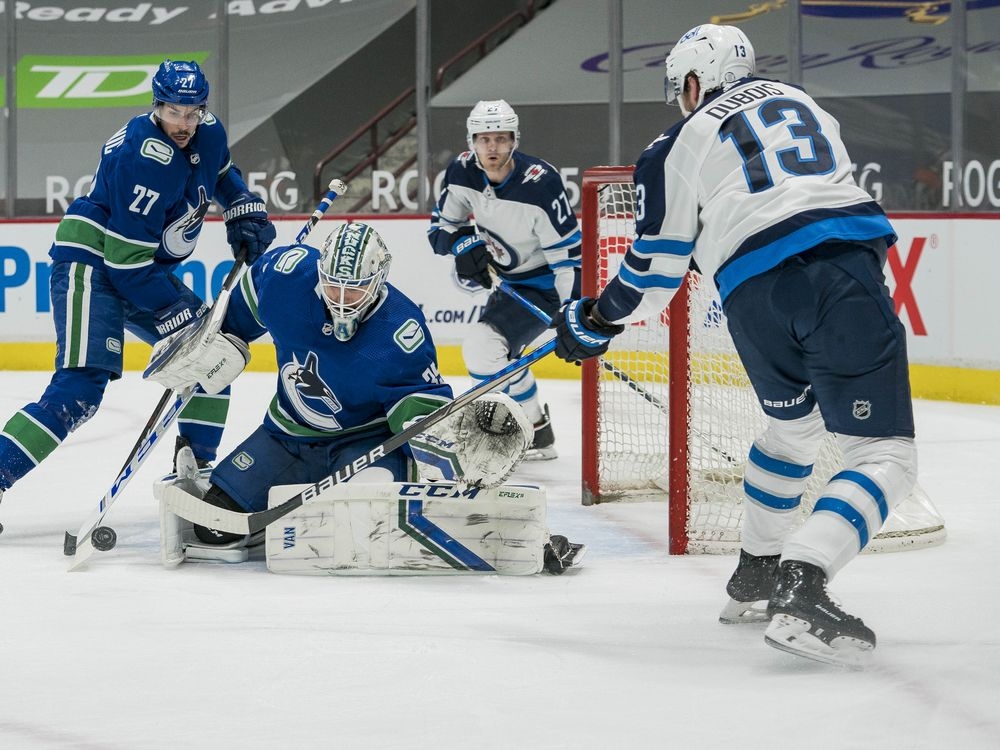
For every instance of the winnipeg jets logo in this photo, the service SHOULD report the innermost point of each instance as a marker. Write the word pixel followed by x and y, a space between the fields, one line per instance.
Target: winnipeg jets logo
pixel 180 237
pixel 315 403
pixel 534 173
pixel 503 256
pixel 465 158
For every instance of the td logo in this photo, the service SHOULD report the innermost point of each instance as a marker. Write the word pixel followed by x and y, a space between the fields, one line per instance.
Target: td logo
pixel 64 82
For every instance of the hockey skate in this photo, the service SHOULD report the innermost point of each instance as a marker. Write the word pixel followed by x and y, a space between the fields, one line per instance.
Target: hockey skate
pixel 561 553
pixel 197 542
pixel 543 447
pixel 806 622
pixel 181 443
pixel 749 589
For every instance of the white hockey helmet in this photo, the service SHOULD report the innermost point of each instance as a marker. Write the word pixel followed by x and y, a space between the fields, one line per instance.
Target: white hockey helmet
pixel 492 117
pixel 718 55
pixel 353 268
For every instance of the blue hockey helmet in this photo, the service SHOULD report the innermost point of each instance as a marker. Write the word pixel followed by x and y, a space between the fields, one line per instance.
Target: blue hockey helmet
pixel 180 83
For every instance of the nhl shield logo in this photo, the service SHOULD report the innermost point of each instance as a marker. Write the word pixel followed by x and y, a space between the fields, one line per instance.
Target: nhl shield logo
pixel 862 409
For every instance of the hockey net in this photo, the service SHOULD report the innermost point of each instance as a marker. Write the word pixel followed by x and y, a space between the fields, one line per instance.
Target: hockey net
pixel 668 411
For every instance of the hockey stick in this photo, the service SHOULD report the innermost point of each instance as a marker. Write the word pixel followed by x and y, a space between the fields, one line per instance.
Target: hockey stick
pixel 92 534
pixel 103 538
pixel 617 372
pixel 202 513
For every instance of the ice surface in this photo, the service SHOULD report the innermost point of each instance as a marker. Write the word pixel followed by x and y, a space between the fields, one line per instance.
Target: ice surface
pixel 623 653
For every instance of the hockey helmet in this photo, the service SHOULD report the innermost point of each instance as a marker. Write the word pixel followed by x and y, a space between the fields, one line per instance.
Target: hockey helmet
pixel 492 117
pixel 718 55
pixel 353 267
pixel 180 82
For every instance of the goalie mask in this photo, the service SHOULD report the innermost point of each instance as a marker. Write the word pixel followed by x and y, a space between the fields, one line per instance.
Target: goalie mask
pixel 492 117
pixel 718 55
pixel 353 268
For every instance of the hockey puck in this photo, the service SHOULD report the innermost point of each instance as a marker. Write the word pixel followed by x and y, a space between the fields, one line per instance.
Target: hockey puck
pixel 103 538
pixel 69 544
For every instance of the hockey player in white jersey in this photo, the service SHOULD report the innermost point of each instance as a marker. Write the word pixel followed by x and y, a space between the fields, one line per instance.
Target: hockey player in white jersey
pixel 505 212
pixel 756 185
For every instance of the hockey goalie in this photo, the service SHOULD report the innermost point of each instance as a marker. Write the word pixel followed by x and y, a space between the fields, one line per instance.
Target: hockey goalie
pixel 356 367
pixel 460 518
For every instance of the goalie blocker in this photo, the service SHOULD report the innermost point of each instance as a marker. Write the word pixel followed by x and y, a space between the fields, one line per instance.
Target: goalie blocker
pixel 416 528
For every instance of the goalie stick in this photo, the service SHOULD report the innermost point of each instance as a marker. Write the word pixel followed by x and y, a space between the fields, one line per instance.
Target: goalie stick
pixel 202 513
pixel 617 372
pixel 92 535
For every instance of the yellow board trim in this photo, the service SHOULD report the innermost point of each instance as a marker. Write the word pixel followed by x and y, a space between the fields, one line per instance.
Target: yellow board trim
pixel 934 382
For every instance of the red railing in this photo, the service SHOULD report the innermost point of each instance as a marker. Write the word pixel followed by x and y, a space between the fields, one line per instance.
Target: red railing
pixel 377 147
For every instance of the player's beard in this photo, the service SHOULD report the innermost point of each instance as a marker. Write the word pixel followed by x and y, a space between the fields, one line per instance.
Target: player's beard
pixel 181 137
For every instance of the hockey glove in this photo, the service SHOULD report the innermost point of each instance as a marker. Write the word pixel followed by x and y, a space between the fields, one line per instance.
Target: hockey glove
pixel 581 332
pixel 472 260
pixel 247 226
pixel 211 360
pixel 177 316
pixel 478 446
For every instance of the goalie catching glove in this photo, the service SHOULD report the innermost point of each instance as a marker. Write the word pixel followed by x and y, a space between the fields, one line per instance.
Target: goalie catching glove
pixel 211 360
pixel 478 446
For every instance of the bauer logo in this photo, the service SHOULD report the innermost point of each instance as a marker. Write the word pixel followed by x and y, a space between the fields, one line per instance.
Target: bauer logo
pixel 71 82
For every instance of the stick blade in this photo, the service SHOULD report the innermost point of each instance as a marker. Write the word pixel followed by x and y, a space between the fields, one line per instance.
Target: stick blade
pixel 84 549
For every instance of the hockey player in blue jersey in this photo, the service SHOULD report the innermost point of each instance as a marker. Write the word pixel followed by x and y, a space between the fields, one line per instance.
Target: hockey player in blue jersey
pixel 506 212
pixel 113 258
pixel 756 185
pixel 356 364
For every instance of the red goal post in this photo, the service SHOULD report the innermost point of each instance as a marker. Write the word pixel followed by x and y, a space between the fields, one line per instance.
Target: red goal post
pixel 668 412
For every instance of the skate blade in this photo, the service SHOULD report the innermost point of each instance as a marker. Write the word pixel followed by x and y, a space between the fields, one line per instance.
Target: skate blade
pixel 541 454
pixel 575 558
pixel 743 613
pixel 791 635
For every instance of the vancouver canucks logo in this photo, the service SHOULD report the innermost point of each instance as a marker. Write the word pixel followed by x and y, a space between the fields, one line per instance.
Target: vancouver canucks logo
pixel 180 237
pixel 315 403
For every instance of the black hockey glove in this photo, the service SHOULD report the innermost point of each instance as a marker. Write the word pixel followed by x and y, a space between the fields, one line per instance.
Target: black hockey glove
pixel 472 260
pixel 176 316
pixel 581 332
pixel 247 226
